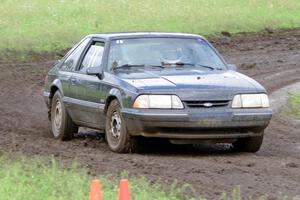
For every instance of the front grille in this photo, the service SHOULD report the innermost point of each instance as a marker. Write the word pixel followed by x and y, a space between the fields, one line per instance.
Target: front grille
pixel 206 104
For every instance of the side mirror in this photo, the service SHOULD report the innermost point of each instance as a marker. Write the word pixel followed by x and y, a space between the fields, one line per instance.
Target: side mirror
pixel 232 67
pixel 96 71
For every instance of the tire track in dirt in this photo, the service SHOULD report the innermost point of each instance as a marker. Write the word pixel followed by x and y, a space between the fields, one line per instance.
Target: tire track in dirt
pixel 272 59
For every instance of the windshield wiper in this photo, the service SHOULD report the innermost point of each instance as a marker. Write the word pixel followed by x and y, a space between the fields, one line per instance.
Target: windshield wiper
pixel 177 63
pixel 159 66
pixel 183 63
pixel 191 64
pixel 127 66
pixel 206 66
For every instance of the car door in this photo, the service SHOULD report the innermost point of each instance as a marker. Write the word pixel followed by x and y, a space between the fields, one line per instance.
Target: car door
pixel 87 88
pixel 66 70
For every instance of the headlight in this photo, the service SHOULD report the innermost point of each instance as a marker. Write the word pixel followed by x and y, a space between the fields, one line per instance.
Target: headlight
pixel 158 101
pixel 250 101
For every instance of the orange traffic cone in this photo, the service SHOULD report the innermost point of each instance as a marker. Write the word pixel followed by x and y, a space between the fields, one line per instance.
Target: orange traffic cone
pixel 96 190
pixel 124 193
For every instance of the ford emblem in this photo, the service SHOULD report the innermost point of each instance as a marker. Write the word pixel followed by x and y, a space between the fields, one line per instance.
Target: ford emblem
pixel 207 104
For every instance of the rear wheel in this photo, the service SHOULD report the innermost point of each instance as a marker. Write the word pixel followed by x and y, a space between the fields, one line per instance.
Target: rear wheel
pixel 251 144
pixel 62 125
pixel 117 136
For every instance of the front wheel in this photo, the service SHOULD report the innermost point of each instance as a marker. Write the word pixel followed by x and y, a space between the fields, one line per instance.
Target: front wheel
pixel 251 144
pixel 62 125
pixel 117 136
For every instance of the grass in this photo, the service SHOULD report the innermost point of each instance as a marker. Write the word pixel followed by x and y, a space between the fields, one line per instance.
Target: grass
pixel 49 25
pixel 294 104
pixel 35 178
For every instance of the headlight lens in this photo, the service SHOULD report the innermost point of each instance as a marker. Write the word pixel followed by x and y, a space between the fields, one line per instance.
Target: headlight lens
pixel 158 101
pixel 250 101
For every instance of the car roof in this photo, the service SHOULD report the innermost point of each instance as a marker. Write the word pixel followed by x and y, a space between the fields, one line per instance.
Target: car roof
pixel 115 35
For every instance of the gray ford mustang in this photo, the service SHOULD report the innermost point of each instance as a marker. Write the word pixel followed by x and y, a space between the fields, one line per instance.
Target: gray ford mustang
pixel 149 84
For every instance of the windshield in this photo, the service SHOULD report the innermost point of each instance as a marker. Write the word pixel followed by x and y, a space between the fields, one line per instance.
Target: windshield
pixel 163 52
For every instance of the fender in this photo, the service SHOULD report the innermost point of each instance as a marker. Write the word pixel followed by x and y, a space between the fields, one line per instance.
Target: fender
pixel 57 83
pixel 114 92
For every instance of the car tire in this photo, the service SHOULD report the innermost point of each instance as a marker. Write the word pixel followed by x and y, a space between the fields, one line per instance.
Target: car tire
pixel 62 126
pixel 117 137
pixel 251 144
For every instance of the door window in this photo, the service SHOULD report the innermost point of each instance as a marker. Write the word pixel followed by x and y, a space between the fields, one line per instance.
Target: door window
pixel 93 56
pixel 70 63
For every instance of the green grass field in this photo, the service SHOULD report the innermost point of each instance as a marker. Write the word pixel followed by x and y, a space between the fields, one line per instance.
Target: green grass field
pixel 294 104
pixel 35 179
pixel 49 25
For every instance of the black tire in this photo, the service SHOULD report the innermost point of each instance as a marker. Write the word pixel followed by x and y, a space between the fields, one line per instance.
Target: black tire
pixel 251 144
pixel 116 133
pixel 62 126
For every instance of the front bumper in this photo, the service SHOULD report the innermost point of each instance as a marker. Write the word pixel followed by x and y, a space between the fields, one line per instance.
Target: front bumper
pixel 197 123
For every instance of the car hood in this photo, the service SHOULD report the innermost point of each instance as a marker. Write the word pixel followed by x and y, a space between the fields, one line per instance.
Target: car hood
pixel 192 84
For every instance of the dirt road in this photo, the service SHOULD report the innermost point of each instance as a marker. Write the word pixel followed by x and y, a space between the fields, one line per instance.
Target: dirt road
pixel 271 58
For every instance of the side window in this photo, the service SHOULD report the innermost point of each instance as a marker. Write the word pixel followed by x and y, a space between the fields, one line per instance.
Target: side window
pixel 93 56
pixel 71 61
